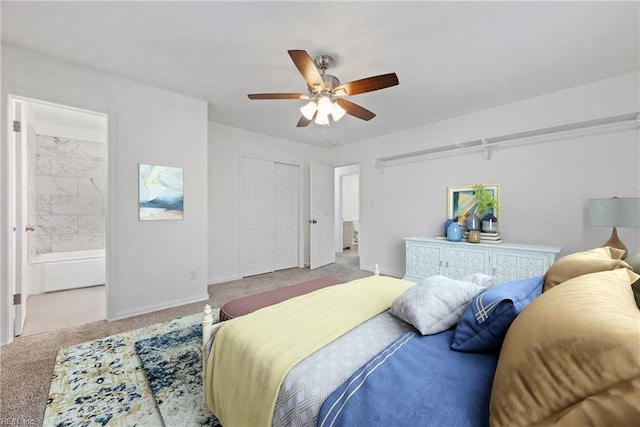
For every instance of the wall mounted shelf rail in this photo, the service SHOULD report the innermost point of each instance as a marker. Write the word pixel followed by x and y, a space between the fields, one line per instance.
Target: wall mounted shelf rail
pixel 631 120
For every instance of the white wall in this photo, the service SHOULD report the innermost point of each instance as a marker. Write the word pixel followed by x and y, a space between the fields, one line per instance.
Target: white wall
pixel 545 187
pixel 227 145
pixel 153 258
pixel 350 198
pixel 147 262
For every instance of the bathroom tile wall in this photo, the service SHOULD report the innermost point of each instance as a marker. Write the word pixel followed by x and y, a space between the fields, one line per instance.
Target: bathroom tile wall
pixel 67 202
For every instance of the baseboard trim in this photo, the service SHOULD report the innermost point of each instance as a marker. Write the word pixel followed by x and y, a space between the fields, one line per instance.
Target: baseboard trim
pixel 383 271
pixel 223 279
pixel 157 307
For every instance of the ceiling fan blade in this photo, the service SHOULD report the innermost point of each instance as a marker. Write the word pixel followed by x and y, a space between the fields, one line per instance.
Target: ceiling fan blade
pixel 304 122
pixel 368 84
pixel 278 96
pixel 307 68
pixel 356 110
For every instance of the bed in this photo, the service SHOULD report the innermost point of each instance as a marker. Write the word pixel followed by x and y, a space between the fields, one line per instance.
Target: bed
pixel 344 360
pixel 555 367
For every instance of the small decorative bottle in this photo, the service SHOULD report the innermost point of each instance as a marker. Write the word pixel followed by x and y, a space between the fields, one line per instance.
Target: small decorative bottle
pixel 490 223
pixel 473 222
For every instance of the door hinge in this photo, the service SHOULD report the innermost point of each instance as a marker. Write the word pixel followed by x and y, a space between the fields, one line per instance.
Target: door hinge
pixel 17 126
pixel 17 299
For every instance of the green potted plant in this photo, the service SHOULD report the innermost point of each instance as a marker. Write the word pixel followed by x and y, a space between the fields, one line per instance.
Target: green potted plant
pixel 487 204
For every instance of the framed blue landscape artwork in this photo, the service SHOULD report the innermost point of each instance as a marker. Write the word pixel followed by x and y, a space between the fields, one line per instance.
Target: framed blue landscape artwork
pixel 161 193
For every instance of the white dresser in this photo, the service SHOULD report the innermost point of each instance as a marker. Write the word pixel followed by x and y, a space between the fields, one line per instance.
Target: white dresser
pixel 428 256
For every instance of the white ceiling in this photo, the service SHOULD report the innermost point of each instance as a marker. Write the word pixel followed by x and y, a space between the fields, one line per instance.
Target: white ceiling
pixel 451 58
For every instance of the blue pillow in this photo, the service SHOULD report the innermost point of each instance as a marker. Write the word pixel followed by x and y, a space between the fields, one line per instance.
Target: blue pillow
pixel 485 322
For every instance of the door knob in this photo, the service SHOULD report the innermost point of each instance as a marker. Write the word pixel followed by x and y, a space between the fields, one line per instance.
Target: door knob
pixel 30 228
pixel 313 221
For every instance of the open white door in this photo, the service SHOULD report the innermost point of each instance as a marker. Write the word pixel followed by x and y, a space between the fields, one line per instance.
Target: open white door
pixel 321 213
pixel 19 278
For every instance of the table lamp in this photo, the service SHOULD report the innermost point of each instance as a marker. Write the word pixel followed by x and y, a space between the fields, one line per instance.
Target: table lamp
pixel 615 212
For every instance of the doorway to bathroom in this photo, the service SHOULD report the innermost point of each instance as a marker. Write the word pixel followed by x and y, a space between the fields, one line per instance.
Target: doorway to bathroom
pixel 58 210
pixel 347 202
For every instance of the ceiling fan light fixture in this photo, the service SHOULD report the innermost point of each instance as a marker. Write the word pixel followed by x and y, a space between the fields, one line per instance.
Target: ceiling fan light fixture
pixel 309 109
pixel 324 106
pixel 337 112
pixel 322 119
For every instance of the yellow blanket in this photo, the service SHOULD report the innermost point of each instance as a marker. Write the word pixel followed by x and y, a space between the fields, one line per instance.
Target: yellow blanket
pixel 252 354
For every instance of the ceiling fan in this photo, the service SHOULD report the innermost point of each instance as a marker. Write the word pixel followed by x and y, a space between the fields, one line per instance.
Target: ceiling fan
pixel 326 94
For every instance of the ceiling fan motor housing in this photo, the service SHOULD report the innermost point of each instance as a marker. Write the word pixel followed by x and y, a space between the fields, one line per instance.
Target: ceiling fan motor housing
pixel 330 82
pixel 323 62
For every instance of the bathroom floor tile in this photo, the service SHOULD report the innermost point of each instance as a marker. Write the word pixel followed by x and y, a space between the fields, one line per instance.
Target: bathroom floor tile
pixel 55 310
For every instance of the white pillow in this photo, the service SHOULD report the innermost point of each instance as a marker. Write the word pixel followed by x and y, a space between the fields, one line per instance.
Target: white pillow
pixel 435 304
pixel 480 279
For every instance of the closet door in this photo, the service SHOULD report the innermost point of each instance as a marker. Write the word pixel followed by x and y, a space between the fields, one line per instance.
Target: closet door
pixel 257 216
pixel 286 216
pixel 270 216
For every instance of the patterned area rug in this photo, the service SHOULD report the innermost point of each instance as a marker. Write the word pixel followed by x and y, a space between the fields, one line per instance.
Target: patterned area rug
pixel 173 365
pixel 103 381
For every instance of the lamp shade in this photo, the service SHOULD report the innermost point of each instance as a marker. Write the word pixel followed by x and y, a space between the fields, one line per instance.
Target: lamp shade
pixel 322 119
pixel 309 109
pixel 337 112
pixel 614 212
pixel 324 106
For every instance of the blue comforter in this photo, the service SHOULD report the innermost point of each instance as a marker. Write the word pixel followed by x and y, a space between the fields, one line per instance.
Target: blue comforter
pixel 416 381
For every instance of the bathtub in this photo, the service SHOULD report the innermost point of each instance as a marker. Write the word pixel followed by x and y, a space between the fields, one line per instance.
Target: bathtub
pixel 67 270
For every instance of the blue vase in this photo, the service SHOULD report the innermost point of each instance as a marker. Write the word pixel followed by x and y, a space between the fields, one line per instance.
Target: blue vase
pixel 446 226
pixel 454 232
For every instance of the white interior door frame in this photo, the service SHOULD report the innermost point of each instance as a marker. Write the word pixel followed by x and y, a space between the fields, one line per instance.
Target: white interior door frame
pixel 338 212
pixel 17 212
